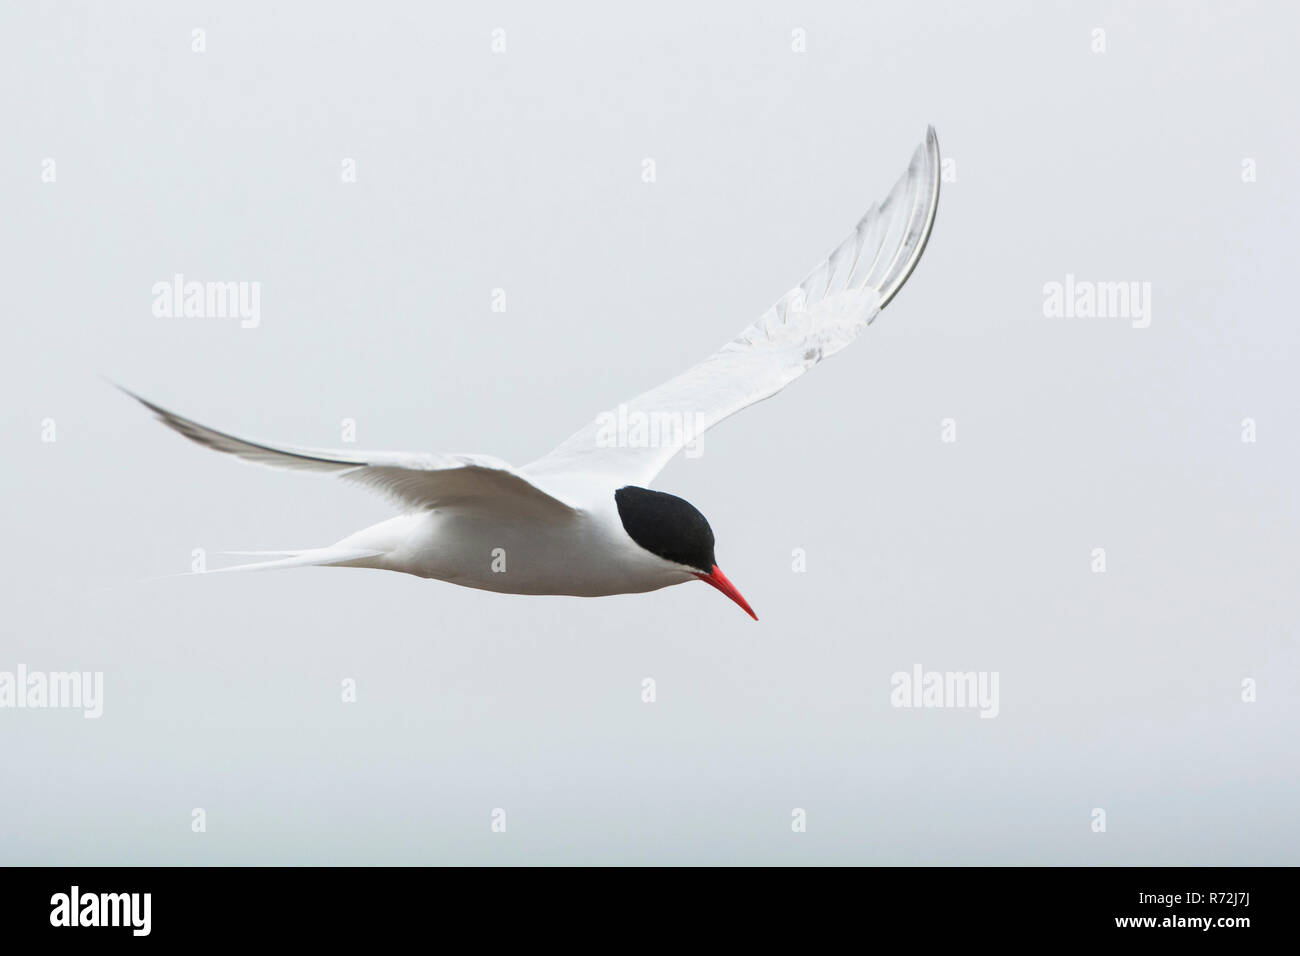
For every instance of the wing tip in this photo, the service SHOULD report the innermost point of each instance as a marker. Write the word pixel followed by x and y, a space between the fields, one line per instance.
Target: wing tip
pixel 926 161
pixel 161 413
pixel 121 388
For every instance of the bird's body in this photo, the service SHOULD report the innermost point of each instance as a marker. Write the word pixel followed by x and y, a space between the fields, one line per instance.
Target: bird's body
pixel 580 520
pixel 585 553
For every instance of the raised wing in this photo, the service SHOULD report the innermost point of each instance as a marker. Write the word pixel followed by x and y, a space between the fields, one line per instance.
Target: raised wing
pixel 817 318
pixel 417 482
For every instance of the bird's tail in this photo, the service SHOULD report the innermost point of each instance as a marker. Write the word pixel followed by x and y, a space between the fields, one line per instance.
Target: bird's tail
pixel 310 557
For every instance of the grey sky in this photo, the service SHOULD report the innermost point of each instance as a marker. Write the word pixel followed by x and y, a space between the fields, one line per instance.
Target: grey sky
pixel 522 171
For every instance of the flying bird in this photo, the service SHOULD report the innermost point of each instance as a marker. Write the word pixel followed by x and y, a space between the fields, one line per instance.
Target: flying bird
pixel 582 520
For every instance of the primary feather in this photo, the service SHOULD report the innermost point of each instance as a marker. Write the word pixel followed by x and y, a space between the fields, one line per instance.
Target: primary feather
pixel 818 317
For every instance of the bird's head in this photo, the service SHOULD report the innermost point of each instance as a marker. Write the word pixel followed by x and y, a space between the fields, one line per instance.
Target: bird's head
pixel 673 529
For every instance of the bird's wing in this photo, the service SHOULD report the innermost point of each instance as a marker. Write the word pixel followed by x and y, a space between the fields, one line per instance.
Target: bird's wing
pixel 417 482
pixel 817 318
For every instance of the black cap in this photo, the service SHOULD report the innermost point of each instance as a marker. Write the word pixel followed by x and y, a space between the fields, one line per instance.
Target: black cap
pixel 667 526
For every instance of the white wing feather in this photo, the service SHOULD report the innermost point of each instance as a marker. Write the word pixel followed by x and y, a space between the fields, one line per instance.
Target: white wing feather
pixel 417 482
pixel 817 318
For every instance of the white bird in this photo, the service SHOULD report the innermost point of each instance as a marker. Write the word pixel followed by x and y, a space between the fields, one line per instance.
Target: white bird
pixel 581 520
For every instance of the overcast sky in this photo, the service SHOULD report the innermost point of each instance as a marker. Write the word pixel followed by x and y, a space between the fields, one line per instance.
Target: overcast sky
pixel 379 170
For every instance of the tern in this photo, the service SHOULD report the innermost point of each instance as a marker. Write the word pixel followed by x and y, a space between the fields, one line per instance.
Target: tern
pixel 582 519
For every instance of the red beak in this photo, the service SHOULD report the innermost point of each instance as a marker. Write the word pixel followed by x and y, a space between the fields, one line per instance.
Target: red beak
pixel 719 581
